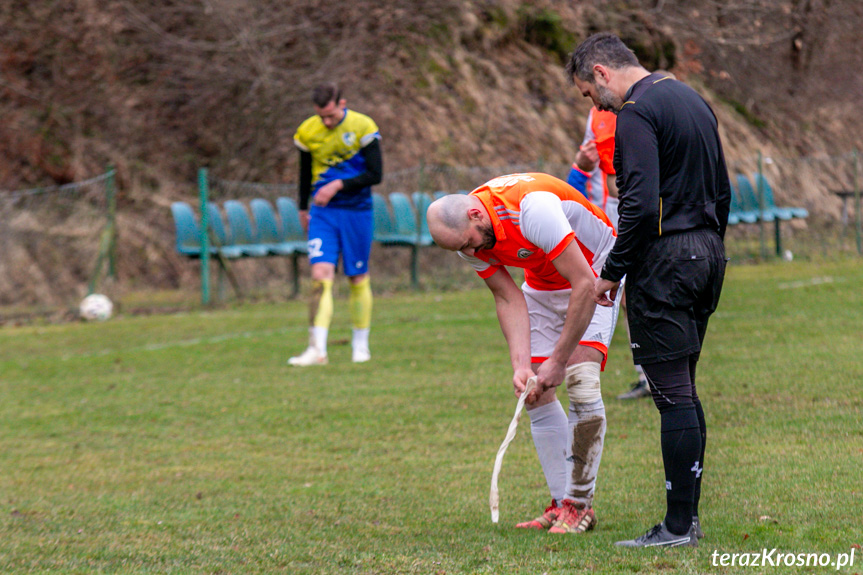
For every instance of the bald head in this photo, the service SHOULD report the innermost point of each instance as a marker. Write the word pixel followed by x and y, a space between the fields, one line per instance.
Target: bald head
pixel 449 219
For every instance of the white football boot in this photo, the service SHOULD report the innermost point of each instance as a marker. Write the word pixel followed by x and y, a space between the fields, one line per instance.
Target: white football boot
pixel 309 357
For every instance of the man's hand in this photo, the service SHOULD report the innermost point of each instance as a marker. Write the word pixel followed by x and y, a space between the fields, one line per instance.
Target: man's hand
pixel 599 292
pixel 304 220
pixel 587 156
pixel 549 375
pixel 519 380
pixel 326 193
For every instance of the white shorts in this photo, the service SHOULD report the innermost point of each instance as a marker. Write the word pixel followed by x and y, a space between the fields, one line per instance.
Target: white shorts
pixel 547 312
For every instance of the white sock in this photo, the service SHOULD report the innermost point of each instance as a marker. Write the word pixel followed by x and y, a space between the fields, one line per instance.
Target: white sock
pixel 319 339
pixel 361 339
pixel 587 430
pixel 548 425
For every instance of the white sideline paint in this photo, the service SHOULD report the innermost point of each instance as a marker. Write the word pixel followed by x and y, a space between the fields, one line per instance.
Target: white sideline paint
pixel 807 283
pixel 182 343
pixel 494 496
pixel 261 333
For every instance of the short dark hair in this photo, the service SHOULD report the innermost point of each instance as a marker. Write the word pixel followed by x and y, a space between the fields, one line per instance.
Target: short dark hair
pixel 326 93
pixel 604 48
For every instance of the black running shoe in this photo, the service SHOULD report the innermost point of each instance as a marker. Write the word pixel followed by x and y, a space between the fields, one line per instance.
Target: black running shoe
pixel 639 389
pixel 660 536
pixel 696 526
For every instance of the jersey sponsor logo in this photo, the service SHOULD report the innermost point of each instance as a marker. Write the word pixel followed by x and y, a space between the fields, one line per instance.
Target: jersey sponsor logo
pixel 349 138
pixel 524 253
pixel 512 179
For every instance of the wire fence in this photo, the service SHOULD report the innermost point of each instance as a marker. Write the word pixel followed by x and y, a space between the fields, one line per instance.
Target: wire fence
pixel 57 243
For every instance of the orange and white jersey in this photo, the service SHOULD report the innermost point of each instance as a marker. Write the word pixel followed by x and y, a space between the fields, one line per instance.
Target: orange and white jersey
pixel 600 129
pixel 535 217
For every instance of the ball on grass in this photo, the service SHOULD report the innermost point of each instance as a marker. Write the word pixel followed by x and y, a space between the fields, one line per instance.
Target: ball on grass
pixel 96 307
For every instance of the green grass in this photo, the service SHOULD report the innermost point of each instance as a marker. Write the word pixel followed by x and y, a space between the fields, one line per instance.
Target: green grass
pixel 184 444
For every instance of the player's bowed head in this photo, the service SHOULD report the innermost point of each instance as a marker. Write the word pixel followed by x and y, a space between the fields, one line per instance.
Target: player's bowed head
pixel 459 222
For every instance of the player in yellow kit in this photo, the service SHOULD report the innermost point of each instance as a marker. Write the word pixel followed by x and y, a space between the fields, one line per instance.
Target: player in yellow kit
pixel 340 159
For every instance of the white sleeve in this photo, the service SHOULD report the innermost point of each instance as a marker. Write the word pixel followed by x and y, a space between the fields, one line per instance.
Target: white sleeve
pixel 588 130
pixel 543 222
pixel 477 264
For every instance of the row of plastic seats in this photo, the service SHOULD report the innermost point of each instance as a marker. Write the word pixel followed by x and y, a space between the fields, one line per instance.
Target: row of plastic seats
pixel 403 221
pixel 265 235
pixel 745 207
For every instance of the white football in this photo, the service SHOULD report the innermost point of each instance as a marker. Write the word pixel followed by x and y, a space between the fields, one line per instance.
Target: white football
pixel 96 307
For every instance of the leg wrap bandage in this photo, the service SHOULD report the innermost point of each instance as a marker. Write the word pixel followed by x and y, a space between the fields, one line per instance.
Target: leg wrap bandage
pixel 582 382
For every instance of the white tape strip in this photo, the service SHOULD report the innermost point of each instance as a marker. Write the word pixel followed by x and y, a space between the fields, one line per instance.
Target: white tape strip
pixel 494 496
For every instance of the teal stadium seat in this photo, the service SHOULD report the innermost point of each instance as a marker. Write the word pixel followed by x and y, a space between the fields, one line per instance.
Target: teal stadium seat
pixel 270 233
pixel 769 214
pixel 218 233
pixel 243 235
pixel 188 232
pixel 400 229
pixel 749 200
pixel 292 228
pixel 740 215
pixel 406 220
pixel 422 201
pixel 781 212
pixel 292 236
pixel 439 194
pixel 384 226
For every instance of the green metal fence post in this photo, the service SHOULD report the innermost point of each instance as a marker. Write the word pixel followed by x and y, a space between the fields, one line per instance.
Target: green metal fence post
pixel 761 233
pixel 777 231
pixel 112 222
pixel 858 217
pixel 203 191
pixel 106 238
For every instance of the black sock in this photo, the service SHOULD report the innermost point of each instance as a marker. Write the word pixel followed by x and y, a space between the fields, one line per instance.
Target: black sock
pixel 681 448
pixel 699 411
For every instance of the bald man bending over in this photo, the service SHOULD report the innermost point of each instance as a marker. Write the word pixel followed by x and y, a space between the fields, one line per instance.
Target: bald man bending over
pixel 552 326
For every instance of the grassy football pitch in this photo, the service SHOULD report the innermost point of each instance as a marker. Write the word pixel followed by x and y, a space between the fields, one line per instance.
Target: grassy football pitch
pixel 184 444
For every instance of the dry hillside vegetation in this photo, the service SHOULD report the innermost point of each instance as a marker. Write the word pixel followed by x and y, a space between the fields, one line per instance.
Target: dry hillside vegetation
pixel 159 89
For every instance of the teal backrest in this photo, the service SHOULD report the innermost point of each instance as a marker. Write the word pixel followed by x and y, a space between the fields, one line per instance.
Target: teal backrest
pixel 187 229
pixel 748 199
pixel 403 214
pixel 269 231
pixel 216 225
pixel 382 218
pixel 293 229
pixel 242 232
pixel 422 201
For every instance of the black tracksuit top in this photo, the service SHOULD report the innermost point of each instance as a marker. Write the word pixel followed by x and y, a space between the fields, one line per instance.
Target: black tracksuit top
pixel 671 172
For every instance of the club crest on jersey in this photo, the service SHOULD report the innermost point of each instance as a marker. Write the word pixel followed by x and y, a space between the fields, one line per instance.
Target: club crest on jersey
pixel 524 253
pixel 349 138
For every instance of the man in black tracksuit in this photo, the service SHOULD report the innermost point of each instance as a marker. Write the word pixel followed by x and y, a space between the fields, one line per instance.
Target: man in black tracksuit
pixel 674 204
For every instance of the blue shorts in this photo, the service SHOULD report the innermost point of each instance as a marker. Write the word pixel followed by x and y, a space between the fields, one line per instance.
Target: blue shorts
pixel 334 231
